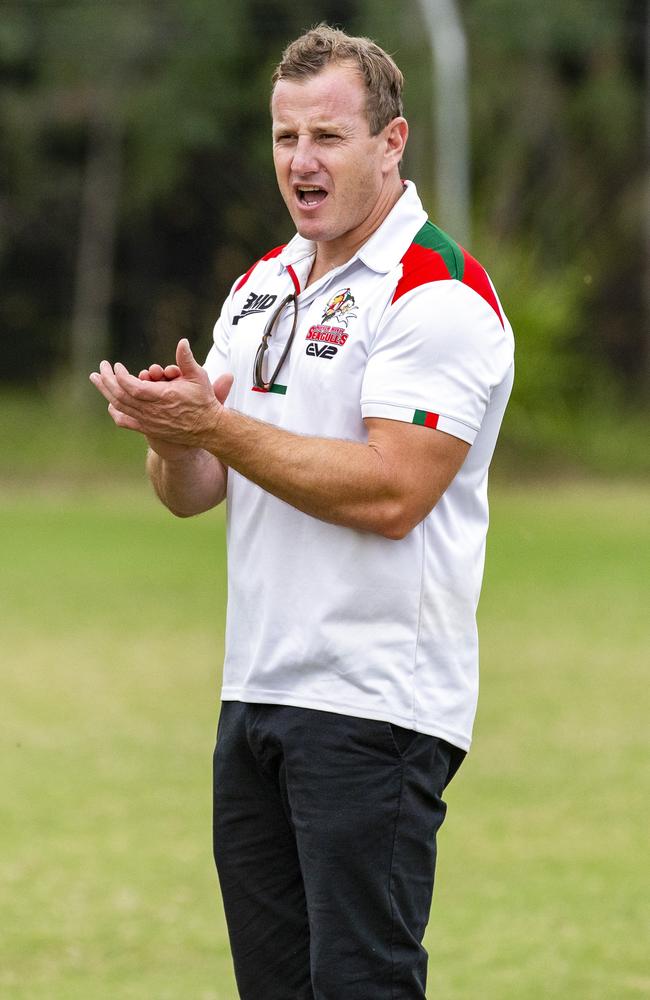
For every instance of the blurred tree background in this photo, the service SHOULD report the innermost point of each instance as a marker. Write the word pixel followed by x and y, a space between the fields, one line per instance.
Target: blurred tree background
pixel 136 183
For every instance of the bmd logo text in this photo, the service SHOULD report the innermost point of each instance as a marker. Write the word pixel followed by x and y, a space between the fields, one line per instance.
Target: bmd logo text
pixel 253 305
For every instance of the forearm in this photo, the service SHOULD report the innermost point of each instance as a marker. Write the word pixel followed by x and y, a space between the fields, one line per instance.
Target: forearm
pixel 385 485
pixel 189 484
pixel 343 482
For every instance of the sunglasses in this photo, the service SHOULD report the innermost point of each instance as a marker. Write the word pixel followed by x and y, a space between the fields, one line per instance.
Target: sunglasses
pixel 259 382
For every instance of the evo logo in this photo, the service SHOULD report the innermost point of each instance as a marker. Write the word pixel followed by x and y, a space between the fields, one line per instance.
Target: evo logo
pixel 321 350
pixel 254 304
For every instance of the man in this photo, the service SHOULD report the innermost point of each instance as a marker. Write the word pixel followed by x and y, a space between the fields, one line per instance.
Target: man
pixel 372 364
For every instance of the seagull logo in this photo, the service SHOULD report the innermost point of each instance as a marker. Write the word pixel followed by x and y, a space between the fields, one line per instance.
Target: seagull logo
pixel 341 307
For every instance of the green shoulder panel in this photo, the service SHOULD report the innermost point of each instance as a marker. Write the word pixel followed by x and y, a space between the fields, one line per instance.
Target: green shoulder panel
pixel 433 238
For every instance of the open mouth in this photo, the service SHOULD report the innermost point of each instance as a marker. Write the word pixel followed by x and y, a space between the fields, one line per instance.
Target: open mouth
pixel 310 195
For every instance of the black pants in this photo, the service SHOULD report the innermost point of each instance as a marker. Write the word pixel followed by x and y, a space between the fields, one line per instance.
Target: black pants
pixel 325 843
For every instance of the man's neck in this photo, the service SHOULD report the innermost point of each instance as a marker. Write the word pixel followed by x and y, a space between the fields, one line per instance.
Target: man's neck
pixel 334 253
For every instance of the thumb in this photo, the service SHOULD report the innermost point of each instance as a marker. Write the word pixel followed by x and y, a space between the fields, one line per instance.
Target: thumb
pixel 186 360
pixel 222 386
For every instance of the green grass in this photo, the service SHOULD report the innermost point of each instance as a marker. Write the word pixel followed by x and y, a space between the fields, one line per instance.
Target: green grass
pixel 113 623
pixel 71 444
pixel 543 888
pixel 111 643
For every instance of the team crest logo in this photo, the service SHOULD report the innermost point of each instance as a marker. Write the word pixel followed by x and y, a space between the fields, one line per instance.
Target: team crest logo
pixel 341 308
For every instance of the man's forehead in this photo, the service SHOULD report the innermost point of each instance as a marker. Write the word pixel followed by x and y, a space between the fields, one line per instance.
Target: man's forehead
pixel 338 90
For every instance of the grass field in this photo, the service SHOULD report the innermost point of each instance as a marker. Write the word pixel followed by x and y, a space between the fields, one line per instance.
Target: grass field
pixel 111 642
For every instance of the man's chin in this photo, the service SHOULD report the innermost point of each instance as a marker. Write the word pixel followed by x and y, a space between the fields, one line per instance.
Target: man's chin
pixel 312 229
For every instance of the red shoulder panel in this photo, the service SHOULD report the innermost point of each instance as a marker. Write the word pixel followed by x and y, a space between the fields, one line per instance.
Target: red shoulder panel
pixel 475 277
pixel 420 265
pixel 267 256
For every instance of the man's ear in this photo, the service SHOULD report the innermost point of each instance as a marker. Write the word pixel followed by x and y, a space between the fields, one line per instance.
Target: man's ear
pixel 396 134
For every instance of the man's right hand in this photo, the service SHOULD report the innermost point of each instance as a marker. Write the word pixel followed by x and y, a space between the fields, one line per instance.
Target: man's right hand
pixel 156 373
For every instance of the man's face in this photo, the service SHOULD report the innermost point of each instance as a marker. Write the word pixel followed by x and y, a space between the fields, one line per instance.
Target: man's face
pixel 331 172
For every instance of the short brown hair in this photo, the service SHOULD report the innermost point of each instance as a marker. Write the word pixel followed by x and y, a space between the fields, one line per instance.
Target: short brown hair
pixel 316 49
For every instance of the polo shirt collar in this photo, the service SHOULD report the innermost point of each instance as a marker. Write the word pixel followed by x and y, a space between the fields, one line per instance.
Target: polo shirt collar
pixel 387 245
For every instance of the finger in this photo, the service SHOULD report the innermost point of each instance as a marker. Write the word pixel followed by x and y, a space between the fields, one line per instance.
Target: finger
pixel 110 387
pixel 156 373
pixel 128 388
pixel 124 420
pixel 98 381
pixel 186 361
pixel 117 398
pixel 222 386
pixel 108 378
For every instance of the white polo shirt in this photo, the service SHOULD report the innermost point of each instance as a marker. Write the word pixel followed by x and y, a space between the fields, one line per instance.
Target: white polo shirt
pixel 333 618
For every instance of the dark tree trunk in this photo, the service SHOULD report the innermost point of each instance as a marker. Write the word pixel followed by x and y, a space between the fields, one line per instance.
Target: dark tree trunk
pixel 95 249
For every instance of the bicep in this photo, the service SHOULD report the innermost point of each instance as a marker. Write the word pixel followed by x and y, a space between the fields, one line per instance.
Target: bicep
pixel 419 463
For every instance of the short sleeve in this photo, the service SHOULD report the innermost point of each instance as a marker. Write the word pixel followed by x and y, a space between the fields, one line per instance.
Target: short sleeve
pixel 217 361
pixel 437 355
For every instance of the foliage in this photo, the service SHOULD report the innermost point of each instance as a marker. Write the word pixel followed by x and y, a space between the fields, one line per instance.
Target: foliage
pixel 568 158
pixel 559 168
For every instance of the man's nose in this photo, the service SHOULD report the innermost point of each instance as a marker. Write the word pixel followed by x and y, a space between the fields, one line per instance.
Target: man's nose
pixel 305 160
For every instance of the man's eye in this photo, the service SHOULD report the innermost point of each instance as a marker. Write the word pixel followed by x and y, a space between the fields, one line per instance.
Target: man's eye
pixel 283 137
pixel 325 136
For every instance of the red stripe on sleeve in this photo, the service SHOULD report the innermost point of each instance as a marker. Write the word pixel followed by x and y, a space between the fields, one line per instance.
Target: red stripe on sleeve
pixel 420 265
pixel 475 277
pixel 267 256
pixel 431 420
